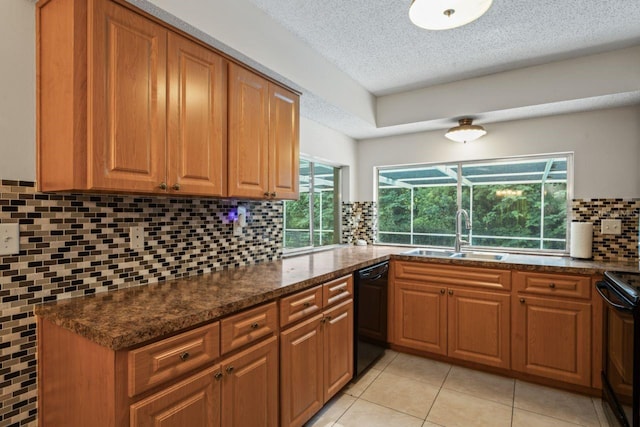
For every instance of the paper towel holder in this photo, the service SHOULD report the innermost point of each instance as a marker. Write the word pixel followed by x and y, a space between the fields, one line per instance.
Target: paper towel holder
pixel 581 245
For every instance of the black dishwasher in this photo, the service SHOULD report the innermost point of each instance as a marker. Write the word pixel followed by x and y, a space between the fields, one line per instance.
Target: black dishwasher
pixel 370 337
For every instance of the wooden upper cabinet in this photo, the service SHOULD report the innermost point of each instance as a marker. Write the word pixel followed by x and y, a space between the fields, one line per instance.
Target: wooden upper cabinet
pixel 263 137
pixel 127 104
pixel 248 134
pixel 197 127
pixel 284 156
pixel 127 100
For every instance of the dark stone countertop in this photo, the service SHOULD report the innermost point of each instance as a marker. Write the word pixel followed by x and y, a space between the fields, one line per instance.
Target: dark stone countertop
pixel 130 317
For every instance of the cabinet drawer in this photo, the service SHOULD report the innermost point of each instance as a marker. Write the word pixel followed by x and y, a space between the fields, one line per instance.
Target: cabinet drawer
pixel 441 274
pixel 300 305
pixel 561 285
pixel 337 290
pixel 167 359
pixel 248 326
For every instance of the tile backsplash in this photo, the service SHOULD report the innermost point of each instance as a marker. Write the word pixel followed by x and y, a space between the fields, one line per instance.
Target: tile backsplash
pixel 359 221
pixel 608 247
pixel 78 244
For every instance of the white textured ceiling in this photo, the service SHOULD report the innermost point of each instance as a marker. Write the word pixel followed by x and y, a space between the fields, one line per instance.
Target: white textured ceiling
pixel 374 42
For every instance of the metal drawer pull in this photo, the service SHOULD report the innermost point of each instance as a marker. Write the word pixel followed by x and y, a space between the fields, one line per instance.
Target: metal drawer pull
pixel 522 301
pixel 163 185
pixel 230 369
pixel 254 326
pixel 184 356
pixel 176 187
pixel 218 376
pixel 552 285
pixel 273 194
pixel 266 194
pixel 450 292
pixel 442 291
pixel 307 304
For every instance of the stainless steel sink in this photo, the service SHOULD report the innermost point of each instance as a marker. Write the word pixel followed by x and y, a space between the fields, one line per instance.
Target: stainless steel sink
pixel 430 253
pixel 482 256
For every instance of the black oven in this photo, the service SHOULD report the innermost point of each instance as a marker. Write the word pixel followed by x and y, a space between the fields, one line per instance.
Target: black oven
pixel 621 348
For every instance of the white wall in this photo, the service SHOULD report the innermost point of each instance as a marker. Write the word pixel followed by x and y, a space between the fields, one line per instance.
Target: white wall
pixel 606 145
pixel 318 142
pixel 17 90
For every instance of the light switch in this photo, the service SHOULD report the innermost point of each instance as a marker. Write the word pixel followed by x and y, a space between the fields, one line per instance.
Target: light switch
pixel 9 239
pixel 611 226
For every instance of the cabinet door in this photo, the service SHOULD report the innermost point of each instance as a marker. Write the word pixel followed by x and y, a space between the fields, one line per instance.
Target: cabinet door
pixel 301 372
pixel 197 138
pixel 192 402
pixel 478 327
pixel 283 143
pixel 420 316
pixel 127 100
pixel 552 338
pixel 338 348
pixel 248 134
pixel 250 387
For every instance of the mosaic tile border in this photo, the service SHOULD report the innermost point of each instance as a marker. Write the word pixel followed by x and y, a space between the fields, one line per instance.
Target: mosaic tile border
pixel 606 247
pixel 78 244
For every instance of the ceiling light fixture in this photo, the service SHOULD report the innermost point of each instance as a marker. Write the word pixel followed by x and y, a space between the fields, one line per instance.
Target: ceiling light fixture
pixel 446 14
pixel 466 131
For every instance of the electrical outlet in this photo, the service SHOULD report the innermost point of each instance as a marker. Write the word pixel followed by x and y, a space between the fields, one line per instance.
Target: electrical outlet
pixel 136 238
pixel 611 226
pixel 9 239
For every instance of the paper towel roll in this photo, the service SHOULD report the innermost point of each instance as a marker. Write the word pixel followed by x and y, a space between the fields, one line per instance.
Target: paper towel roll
pixel 581 239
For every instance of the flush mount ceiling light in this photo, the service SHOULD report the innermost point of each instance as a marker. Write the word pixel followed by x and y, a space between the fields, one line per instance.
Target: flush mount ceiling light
pixel 465 131
pixel 446 14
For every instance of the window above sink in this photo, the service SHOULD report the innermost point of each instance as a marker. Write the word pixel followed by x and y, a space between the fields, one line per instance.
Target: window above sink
pixel 514 204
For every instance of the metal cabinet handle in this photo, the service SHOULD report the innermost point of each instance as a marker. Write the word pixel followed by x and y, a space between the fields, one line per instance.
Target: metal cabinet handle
pixel 273 194
pixel 442 291
pixel 230 369
pixel 217 376
pixel 522 301
pixel 552 285
pixel 307 304
pixel 450 292
pixel 184 356
pixel 254 326
pixel 176 187
pixel 266 194
pixel 163 186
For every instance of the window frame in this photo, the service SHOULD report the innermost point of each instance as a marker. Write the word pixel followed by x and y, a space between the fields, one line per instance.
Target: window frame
pixel 337 217
pixel 569 155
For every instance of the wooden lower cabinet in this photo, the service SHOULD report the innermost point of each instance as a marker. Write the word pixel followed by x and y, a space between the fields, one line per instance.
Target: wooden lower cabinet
pixel 466 324
pixel 316 361
pixel 301 371
pixel 420 316
pixel 479 327
pixel 338 348
pixel 250 387
pixel 193 402
pixel 552 338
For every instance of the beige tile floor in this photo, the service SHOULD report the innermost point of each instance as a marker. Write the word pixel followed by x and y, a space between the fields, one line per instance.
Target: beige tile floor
pixel 403 390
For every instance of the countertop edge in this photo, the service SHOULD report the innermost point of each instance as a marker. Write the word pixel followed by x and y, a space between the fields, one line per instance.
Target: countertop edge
pixel 133 336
